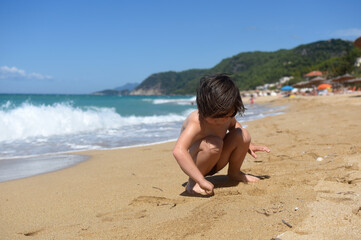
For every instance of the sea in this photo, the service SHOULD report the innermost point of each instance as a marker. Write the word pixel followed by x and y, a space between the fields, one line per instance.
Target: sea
pixel 38 133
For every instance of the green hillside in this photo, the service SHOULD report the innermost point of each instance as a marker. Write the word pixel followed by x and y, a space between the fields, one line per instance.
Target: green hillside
pixel 173 82
pixel 251 69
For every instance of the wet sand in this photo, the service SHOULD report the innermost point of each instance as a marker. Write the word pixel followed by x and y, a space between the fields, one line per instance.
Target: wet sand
pixel 138 193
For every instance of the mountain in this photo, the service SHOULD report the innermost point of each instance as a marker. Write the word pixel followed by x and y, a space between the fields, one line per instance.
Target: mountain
pixel 167 83
pixel 122 90
pixel 108 92
pixel 127 86
pixel 252 69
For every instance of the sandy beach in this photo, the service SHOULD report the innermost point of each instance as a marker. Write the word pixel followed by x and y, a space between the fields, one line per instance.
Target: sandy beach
pixel 310 187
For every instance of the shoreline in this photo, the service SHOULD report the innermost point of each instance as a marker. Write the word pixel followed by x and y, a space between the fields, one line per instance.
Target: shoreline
pixel 51 156
pixel 137 193
pixel 24 160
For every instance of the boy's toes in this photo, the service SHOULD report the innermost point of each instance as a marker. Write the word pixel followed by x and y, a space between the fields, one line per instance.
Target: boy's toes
pixel 251 179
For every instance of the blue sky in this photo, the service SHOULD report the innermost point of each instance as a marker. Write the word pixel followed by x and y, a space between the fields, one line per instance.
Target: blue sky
pixel 83 46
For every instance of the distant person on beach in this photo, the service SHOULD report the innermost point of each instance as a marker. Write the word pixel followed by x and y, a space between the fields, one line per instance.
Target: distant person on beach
pixel 211 137
pixel 251 100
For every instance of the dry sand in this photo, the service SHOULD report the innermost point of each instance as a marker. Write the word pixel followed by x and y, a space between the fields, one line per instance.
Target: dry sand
pixel 137 193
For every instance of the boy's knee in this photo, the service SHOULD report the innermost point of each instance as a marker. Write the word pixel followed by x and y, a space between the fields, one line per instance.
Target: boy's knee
pixel 213 144
pixel 242 135
pixel 246 136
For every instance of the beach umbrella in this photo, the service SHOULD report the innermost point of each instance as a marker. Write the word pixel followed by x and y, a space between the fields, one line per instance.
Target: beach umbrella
pixel 343 78
pixel 357 42
pixel 323 86
pixel 356 80
pixel 313 74
pixel 287 88
pixel 317 80
pixel 304 84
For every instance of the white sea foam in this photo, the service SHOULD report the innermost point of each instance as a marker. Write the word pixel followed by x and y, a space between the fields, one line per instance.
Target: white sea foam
pixel 178 101
pixel 28 120
pixel 5 105
pixel 34 130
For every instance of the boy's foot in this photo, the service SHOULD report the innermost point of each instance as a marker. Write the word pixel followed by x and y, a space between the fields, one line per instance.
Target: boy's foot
pixel 242 177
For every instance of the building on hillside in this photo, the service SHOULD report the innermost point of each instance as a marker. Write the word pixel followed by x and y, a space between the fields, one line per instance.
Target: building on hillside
pixel 285 79
pixel 278 84
pixel 266 86
pixel 358 62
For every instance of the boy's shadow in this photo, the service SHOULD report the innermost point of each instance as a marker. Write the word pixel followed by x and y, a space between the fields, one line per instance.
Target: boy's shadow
pixel 220 181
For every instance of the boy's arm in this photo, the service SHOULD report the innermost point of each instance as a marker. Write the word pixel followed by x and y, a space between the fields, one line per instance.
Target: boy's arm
pixel 253 148
pixel 234 124
pixel 238 125
pixel 184 159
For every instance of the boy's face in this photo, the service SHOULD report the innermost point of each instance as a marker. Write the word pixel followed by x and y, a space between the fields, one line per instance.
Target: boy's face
pixel 219 120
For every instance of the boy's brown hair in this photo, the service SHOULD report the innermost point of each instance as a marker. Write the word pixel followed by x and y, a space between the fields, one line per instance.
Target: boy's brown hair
pixel 217 96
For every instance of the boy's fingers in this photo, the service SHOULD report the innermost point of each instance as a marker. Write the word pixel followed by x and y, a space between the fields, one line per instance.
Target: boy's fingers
pixel 209 192
pixel 262 148
pixel 265 149
pixel 207 187
pixel 251 152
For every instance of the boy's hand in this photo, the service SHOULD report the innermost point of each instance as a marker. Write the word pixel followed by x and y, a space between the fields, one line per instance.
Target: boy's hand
pixel 253 148
pixel 207 187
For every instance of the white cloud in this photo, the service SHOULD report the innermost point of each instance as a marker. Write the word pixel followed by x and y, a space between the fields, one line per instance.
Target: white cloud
pixel 38 76
pixel 351 32
pixel 6 71
pixel 16 73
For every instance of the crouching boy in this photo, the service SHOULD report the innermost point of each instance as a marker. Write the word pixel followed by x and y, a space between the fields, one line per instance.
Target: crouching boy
pixel 211 137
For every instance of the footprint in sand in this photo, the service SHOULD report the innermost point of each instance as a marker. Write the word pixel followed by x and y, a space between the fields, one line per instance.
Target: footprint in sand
pixel 273 209
pixel 283 157
pixel 130 214
pixel 155 201
pixel 337 200
pixel 121 214
pixel 354 181
pixel 345 179
pixel 228 193
pixel 357 211
pixel 338 197
pixel 256 192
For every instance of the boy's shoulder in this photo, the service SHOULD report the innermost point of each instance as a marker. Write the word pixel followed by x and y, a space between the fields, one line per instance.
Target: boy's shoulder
pixel 192 123
pixel 193 117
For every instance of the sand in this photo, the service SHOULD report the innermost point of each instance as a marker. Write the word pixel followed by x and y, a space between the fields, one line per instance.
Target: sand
pixel 138 193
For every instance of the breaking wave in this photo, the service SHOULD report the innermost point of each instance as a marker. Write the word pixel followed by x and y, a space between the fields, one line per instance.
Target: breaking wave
pixel 29 120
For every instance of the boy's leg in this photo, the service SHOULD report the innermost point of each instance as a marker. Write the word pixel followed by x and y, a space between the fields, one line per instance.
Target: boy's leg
pixel 235 148
pixel 205 153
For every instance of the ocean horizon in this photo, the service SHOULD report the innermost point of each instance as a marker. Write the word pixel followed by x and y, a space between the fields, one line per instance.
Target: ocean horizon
pixel 40 130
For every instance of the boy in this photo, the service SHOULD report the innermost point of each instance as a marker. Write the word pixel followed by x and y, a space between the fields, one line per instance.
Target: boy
pixel 211 137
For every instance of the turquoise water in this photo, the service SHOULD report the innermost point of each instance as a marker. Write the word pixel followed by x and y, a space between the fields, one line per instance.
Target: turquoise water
pixel 39 124
pixel 39 129
pixel 124 105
